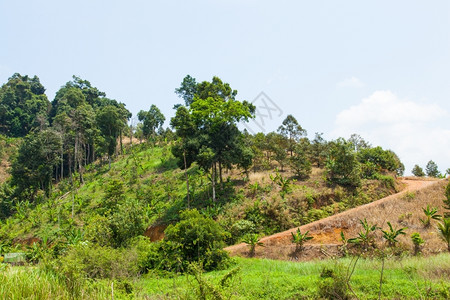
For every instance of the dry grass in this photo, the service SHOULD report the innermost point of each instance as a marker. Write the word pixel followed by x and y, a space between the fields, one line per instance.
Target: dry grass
pixel 403 209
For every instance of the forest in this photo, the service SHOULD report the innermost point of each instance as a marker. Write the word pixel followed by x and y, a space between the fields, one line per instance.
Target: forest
pixel 93 207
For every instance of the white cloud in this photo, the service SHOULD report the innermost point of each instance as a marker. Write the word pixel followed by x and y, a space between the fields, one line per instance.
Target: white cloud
pixel 352 82
pixel 413 130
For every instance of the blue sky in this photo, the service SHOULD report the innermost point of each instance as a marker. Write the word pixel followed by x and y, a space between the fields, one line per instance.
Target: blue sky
pixel 379 69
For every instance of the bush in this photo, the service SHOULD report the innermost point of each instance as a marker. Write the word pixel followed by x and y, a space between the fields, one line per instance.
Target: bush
pixel 333 283
pixel 195 238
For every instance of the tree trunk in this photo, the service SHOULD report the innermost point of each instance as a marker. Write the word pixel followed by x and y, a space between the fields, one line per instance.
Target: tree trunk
pixel 187 178
pixel 213 180
pixel 121 145
pixel 220 174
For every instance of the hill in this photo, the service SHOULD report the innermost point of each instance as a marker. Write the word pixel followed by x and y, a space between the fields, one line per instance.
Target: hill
pixel 403 209
pixel 146 178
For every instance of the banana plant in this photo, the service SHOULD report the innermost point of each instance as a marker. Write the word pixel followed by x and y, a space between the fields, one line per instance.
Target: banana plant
pixel 365 236
pixel 392 234
pixel 430 214
pixel 444 231
pixel 252 240
pixel 299 239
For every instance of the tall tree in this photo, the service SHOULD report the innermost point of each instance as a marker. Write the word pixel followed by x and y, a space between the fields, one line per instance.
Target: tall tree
pixel 187 90
pixel 33 168
pixel 23 106
pixel 292 131
pixel 432 169
pixel 342 166
pixel 215 112
pixel 151 120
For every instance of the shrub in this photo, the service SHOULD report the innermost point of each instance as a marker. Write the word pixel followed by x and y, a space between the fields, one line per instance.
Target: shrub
pixel 333 283
pixel 195 238
pixel 417 241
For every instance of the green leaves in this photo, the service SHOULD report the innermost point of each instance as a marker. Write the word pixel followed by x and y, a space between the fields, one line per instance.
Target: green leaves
pixel 430 214
pixel 392 234
pixel 299 239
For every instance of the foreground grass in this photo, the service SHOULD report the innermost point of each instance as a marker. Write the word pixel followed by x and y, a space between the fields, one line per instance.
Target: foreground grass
pixel 410 278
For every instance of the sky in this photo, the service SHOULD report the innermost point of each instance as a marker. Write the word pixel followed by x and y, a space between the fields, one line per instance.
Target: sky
pixel 380 69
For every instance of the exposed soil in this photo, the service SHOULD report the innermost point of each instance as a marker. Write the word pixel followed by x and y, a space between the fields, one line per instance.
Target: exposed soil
pixel 403 209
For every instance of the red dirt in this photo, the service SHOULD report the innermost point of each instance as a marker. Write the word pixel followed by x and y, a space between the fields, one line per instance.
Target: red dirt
pixel 326 232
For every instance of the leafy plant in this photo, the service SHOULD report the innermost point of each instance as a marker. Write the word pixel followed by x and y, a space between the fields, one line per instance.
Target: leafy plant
pixel 299 239
pixel 392 234
pixel 284 183
pixel 444 231
pixel 252 240
pixel 417 241
pixel 430 213
pixel 365 236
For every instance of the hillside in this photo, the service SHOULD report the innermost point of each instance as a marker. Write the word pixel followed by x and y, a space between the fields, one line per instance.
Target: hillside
pixel 147 178
pixel 403 209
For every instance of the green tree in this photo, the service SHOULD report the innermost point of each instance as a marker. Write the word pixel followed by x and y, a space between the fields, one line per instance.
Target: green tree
pixel 299 162
pixel 292 131
pixel 379 160
pixel 187 90
pixel 318 150
pixel 110 124
pixel 215 113
pixel 37 158
pixel 432 169
pixel 23 106
pixel 417 171
pixel 342 166
pixel 151 121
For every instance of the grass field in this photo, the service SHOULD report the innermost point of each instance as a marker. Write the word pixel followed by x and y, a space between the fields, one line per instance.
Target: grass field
pixel 408 278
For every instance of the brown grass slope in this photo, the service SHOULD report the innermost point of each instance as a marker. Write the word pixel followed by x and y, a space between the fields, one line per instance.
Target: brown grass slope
pixel 403 209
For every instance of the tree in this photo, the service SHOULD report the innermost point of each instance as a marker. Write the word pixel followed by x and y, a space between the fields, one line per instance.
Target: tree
pixel 379 160
pixel 23 106
pixel 358 142
pixel 292 131
pixel 318 150
pixel 417 171
pixel 186 144
pixel 110 123
pixel 342 166
pixel 151 120
pixel 34 165
pixel 299 162
pixel 187 90
pixel 215 112
pixel 432 169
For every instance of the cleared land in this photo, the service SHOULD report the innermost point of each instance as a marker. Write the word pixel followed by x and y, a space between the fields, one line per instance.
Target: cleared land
pixel 403 209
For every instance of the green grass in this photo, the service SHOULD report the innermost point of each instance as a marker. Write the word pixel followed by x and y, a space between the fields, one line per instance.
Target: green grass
pixel 410 278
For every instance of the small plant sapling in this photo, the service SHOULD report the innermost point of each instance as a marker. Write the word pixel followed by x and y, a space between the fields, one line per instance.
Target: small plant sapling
pixel 430 214
pixel 299 239
pixel 252 240
pixel 418 242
